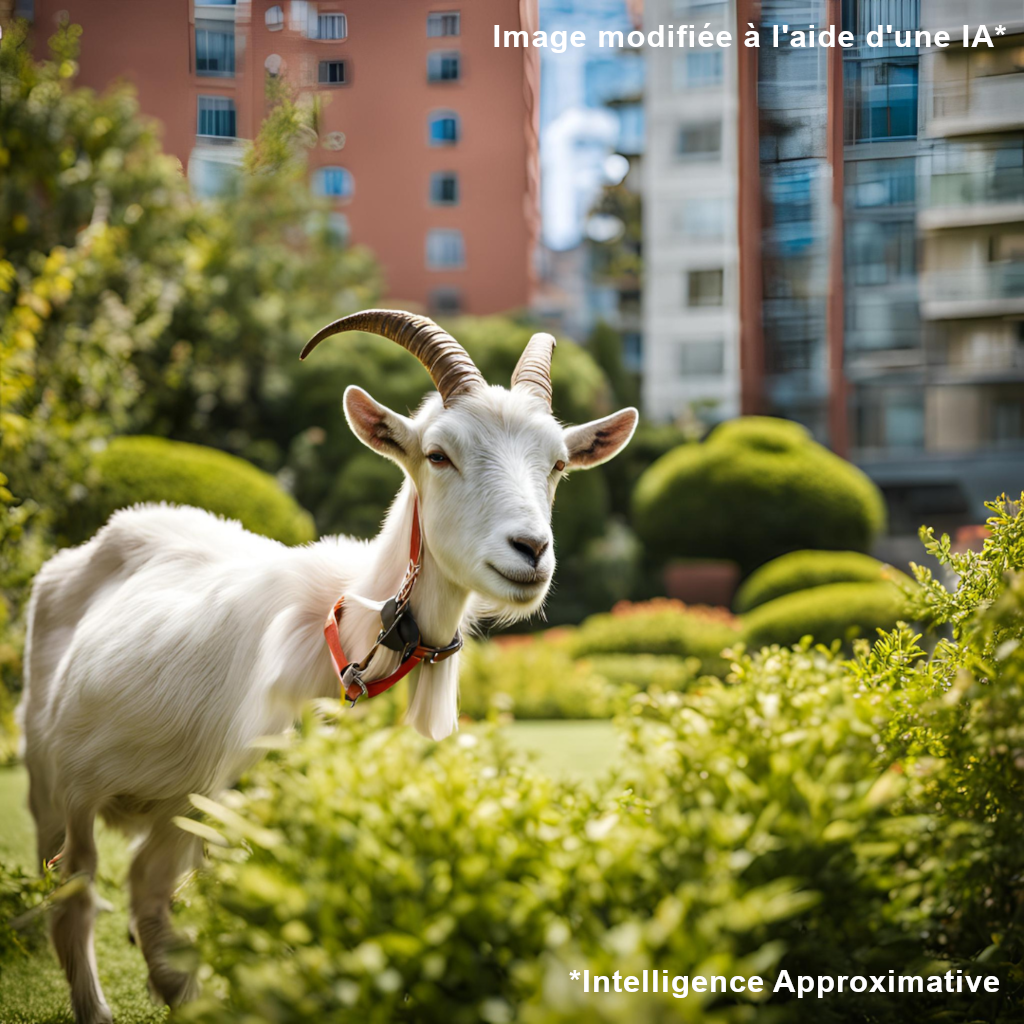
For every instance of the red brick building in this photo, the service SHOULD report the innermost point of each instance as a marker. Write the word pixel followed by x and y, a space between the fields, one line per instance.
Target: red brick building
pixel 429 133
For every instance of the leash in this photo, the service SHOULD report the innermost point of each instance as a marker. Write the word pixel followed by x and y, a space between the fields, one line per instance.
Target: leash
pixel 398 632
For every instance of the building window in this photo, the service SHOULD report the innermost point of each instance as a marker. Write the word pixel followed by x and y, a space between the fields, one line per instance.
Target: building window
pixel 703 218
pixel 446 302
pixel 882 100
pixel 335 182
pixel 332 72
pixel 444 188
pixel 331 26
pixel 881 251
pixel 633 351
pixel 215 49
pixel 704 287
pixel 699 140
pixel 445 249
pixel 444 23
pixel 701 358
pixel 444 128
pixel 443 66
pixel 697 70
pixel 871 183
pixel 217 116
pixel 274 18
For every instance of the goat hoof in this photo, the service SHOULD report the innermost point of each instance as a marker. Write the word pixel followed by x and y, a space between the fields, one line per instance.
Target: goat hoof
pixel 132 941
pixel 95 1015
pixel 173 987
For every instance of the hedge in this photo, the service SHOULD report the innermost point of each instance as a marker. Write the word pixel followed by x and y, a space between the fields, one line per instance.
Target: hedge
pixel 814 815
pixel 140 469
pixel 834 611
pixel 539 678
pixel 800 570
pixel 755 489
pixel 658 629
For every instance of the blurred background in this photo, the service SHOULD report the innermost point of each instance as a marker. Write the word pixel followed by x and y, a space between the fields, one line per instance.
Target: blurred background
pixel 829 237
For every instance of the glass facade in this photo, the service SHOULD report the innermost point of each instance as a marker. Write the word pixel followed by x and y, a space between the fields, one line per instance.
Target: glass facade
pixel 795 183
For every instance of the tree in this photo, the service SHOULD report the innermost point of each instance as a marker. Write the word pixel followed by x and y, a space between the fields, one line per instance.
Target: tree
pixel 129 306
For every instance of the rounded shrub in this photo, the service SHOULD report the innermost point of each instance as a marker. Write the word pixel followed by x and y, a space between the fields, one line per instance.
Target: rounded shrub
pixel 151 469
pixel 755 489
pixel 800 570
pixel 834 611
pixel 665 630
pixel 538 678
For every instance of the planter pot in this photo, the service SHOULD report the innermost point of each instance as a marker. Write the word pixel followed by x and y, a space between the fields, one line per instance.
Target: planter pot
pixel 695 581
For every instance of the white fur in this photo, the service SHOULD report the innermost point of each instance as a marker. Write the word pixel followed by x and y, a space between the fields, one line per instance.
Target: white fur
pixel 161 649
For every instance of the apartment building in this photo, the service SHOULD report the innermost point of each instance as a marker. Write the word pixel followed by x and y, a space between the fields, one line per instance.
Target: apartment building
pixel 690 180
pixel 428 142
pixel 878 249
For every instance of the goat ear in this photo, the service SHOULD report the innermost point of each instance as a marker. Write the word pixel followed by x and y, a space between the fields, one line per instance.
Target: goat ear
pixel 386 432
pixel 595 442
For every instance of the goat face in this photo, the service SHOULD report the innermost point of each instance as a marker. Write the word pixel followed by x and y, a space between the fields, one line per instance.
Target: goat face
pixel 486 467
pixel 485 461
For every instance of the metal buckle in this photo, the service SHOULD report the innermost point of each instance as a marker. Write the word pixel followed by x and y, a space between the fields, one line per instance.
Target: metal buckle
pixel 352 675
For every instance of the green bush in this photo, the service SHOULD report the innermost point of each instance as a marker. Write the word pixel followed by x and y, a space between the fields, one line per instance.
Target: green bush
pixel 834 611
pixel 755 489
pixel 538 678
pixel 138 469
pixel 664 631
pixel 814 815
pixel 801 570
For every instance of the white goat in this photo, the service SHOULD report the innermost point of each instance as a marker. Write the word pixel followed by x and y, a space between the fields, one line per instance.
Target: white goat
pixel 159 650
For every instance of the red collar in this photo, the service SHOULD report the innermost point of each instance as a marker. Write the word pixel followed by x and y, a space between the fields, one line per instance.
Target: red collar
pixel 350 674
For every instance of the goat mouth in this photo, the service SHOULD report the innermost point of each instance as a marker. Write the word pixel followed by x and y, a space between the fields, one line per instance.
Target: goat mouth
pixel 531 582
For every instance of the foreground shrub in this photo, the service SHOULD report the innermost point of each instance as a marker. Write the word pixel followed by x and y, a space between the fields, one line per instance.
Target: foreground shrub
pixel 538 678
pixel 835 611
pixel 138 469
pixel 755 489
pixel 801 570
pixel 811 814
pixel 666 628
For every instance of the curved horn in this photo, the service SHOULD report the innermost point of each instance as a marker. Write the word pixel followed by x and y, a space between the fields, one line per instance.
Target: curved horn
pixel 533 371
pixel 447 362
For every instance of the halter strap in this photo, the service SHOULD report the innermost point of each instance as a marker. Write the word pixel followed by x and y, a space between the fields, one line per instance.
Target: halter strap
pixel 349 674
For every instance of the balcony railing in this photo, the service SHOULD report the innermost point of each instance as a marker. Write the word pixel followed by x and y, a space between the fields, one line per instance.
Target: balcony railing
pixel 969 108
pixel 967 188
pixel 973 291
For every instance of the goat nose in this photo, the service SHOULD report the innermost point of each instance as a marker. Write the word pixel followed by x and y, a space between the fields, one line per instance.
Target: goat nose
pixel 531 548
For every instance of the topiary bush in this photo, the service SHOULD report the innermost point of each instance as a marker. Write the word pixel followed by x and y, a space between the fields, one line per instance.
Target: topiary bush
pixel 130 470
pixel 755 489
pixel 801 570
pixel 658 627
pixel 834 611
pixel 537 678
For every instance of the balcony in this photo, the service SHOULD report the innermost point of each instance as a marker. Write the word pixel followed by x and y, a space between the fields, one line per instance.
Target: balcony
pixel 995 290
pixel 988 195
pixel 989 104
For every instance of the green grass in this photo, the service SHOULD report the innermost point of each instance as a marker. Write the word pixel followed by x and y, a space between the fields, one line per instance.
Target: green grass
pixel 32 990
pixel 566 749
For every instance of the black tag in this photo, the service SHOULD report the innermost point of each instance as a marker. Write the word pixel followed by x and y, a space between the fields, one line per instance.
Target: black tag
pixel 390 623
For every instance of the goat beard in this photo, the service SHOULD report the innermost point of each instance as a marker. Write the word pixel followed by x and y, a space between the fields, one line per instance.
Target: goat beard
pixel 434 699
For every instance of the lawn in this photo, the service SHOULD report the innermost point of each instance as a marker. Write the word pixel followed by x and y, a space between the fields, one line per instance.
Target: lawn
pixel 32 991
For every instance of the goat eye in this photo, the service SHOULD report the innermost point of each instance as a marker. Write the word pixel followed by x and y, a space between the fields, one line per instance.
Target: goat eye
pixel 559 466
pixel 438 459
